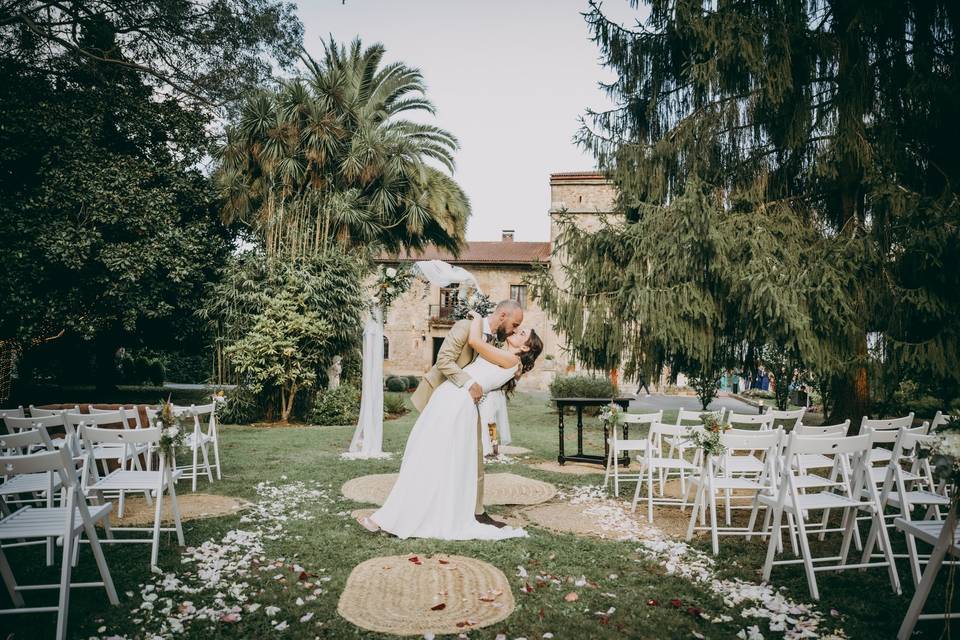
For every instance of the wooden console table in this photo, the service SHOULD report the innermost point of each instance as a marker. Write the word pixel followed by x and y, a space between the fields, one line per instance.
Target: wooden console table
pixel 579 404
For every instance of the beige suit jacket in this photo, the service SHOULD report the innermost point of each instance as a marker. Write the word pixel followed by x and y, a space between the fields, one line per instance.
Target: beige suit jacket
pixel 453 356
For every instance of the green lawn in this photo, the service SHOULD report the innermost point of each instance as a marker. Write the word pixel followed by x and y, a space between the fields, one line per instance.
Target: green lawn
pixel 329 544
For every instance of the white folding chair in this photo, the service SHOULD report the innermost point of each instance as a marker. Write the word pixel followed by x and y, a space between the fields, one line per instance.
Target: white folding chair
pixel 810 461
pixel 199 441
pixel 66 521
pixel 678 446
pixel 896 495
pixel 61 434
pixel 939 419
pixel 790 419
pixel 654 460
pixel 881 454
pixel 122 479
pixel 861 495
pixel 618 445
pixel 13 413
pixel 714 478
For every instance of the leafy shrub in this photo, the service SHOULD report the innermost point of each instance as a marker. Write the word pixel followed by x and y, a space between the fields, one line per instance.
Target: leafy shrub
pixel 126 367
pixel 910 397
pixel 393 404
pixel 192 368
pixel 141 368
pixel 242 406
pixel 156 372
pixel 396 383
pixel 340 406
pixel 581 386
pixel 412 382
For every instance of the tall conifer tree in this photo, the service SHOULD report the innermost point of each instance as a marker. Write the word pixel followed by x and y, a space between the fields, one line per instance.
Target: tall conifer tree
pixel 787 171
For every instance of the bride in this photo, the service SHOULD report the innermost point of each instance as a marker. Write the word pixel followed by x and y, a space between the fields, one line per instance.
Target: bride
pixel 435 495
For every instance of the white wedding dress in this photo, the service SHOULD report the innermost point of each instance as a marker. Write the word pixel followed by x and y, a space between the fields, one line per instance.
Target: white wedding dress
pixel 436 493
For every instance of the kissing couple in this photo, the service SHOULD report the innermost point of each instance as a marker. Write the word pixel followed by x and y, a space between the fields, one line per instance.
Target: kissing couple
pixel 439 493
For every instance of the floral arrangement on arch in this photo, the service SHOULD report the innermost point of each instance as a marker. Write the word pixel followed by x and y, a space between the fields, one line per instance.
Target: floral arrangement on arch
pixel 391 283
pixel 475 301
pixel 945 454
pixel 171 427
pixel 708 439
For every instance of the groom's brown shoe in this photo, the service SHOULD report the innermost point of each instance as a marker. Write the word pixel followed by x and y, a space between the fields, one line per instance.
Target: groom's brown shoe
pixel 484 518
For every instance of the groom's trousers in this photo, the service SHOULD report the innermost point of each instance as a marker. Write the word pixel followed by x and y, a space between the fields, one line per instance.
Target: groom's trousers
pixel 479 506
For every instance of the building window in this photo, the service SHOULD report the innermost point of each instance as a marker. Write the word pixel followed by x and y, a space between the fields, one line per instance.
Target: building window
pixel 386 348
pixel 518 292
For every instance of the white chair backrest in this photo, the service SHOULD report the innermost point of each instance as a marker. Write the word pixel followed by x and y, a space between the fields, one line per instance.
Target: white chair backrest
pixel 20 443
pixel 37 412
pixel 643 418
pixel 939 419
pixel 797 444
pixel 737 440
pixel 909 438
pixel 16 413
pixel 686 415
pixel 791 419
pixel 824 430
pixel 132 414
pixel 95 435
pixel 763 421
pixel 662 429
pixel 98 419
pixel 887 423
pixel 43 462
pixel 883 436
pixel 47 423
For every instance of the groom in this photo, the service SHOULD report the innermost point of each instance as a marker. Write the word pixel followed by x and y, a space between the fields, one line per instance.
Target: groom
pixel 455 354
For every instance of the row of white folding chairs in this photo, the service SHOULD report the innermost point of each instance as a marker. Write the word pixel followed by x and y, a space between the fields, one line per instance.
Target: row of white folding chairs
pixel 49 522
pixel 198 441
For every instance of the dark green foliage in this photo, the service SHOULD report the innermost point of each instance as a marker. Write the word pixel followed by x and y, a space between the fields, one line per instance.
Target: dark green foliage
pixel 706 384
pixel 393 405
pixel 328 286
pixel 786 174
pixel 336 407
pixel 581 387
pixel 127 369
pixel 156 372
pixel 413 382
pixel 396 383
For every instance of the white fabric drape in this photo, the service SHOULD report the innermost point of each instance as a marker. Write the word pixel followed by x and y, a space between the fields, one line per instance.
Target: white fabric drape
pixel 442 274
pixel 368 437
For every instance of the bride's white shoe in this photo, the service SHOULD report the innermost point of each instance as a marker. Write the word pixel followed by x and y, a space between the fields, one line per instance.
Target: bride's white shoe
pixel 368 524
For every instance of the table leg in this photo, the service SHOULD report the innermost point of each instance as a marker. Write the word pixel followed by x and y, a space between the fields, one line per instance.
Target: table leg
pixel 579 430
pixel 626 437
pixel 561 459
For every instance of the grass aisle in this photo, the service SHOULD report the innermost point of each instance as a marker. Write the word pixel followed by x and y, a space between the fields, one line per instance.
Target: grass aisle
pixel 279 569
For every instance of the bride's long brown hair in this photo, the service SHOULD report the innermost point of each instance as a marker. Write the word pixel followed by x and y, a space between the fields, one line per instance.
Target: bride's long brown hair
pixel 527 359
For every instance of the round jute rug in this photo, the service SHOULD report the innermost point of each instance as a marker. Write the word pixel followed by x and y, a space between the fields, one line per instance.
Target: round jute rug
pixel 510 450
pixel 416 595
pixel 570 468
pixel 564 517
pixel 192 507
pixel 498 488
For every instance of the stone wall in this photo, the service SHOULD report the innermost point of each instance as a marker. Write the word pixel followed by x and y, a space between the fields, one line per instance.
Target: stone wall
pixel 411 334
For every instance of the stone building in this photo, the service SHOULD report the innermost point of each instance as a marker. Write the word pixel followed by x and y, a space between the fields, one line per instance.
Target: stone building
pixel 419 320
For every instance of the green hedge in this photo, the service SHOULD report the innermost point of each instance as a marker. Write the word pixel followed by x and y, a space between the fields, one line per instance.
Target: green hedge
pixel 396 383
pixel 340 406
pixel 581 386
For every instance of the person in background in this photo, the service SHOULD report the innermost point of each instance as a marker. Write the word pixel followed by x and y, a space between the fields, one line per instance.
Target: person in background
pixel 642 384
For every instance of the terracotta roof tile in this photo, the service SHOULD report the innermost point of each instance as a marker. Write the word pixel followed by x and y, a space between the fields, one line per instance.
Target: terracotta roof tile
pixel 501 252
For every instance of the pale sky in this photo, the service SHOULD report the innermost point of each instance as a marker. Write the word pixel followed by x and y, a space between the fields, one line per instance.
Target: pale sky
pixel 508 78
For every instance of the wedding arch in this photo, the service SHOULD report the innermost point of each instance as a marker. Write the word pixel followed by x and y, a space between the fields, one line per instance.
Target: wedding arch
pixel 391 283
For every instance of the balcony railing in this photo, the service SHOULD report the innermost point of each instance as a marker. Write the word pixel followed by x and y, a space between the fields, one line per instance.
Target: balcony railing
pixel 441 314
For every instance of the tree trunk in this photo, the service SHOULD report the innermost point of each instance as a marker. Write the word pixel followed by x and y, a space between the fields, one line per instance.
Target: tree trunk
pixel 333 373
pixel 851 392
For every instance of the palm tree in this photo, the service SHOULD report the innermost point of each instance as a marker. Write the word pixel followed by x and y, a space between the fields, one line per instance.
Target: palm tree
pixel 327 157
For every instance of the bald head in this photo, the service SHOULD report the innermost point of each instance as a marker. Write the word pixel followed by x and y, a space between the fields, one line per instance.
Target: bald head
pixel 506 317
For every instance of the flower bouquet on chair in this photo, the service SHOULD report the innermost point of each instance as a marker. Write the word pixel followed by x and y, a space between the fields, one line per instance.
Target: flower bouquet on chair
pixel 171 429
